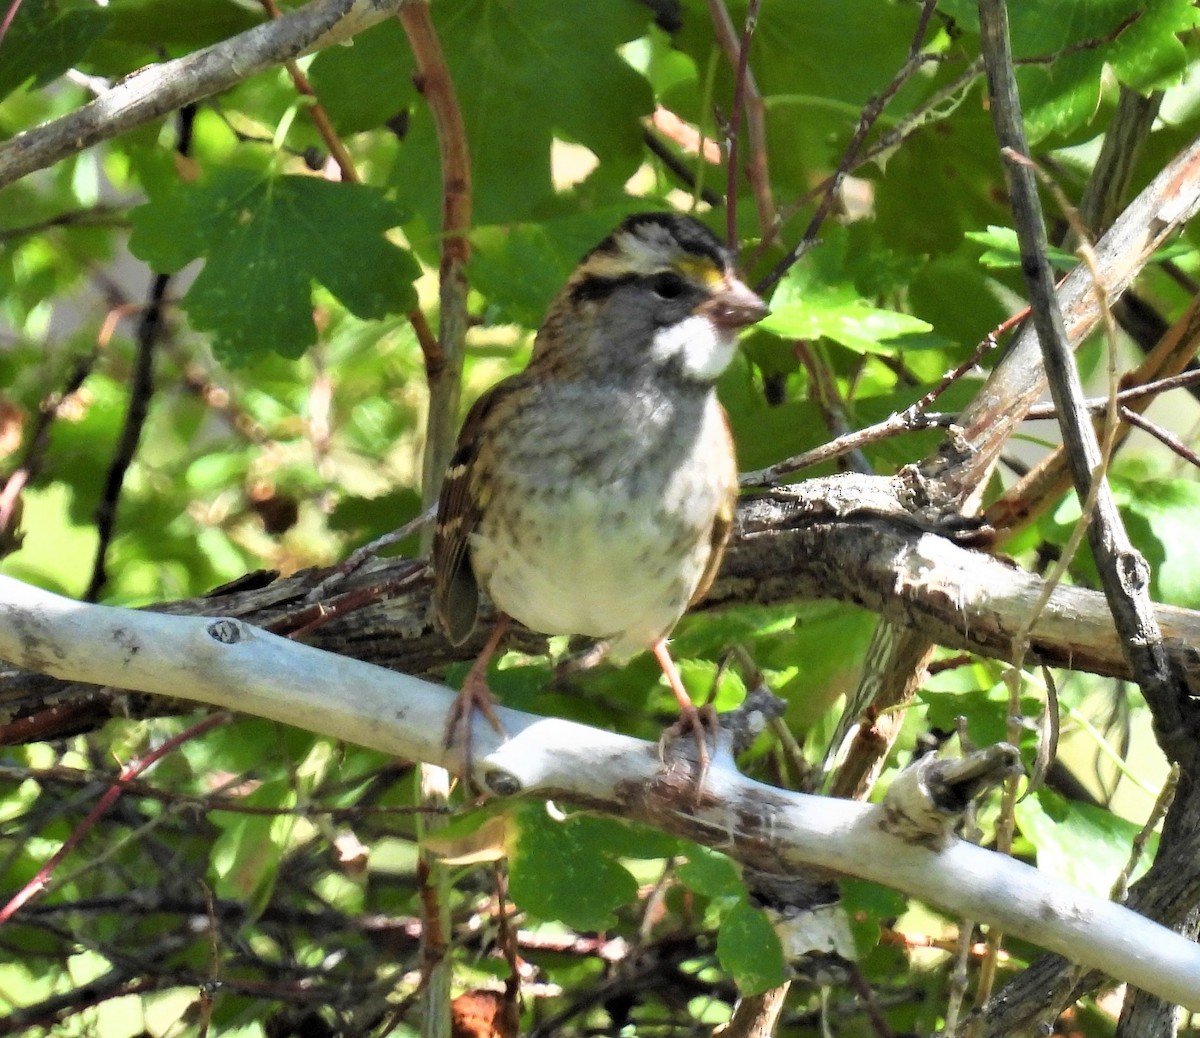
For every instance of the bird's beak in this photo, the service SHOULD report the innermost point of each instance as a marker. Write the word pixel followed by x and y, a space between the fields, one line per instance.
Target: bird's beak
pixel 733 305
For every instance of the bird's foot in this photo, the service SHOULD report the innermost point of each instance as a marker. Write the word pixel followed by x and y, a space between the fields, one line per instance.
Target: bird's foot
pixel 473 696
pixel 702 723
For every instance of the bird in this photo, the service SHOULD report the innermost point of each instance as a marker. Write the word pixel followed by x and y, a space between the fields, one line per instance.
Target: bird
pixel 593 492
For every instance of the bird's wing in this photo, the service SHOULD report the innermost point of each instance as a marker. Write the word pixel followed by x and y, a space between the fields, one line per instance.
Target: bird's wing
pixel 455 592
pixel 722 525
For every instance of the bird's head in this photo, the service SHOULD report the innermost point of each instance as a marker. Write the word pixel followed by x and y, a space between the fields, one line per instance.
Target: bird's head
pixel 660 292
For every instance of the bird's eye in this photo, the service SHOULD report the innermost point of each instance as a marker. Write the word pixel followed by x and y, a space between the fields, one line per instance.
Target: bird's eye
pixel 668 285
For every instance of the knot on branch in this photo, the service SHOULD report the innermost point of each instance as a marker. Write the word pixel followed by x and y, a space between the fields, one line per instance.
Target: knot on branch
pixel 225 630
pixel 744 724
pixel 925 804
pixel 1135 573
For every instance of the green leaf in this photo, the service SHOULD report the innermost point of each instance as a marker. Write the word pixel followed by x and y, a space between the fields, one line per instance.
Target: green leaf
pixel 956 297
pixel 58 551
pixel 856 325
pixel 266 240
pixel 711 874
pixel 749 949
pixel 815 676
pixel 1080 844
pixel 366 517
pixel 45 39
pixel 579 89
pixel 1003 252
pixel 245 856
pixel 986 709
pixel 175 26
pixel 868 907
pixel 1066 48
pixel 961 150
pixel 253 745
pixel 366 81
pixel 710 633
pixel 632 840
pixel 823 299
pixel 1150 53
pixel 766 433
pixel 1168 509
pixel 565 871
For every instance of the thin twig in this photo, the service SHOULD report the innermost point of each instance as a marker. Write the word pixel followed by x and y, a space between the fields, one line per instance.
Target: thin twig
pixel 39 440
pixel 130 771
pixel 959 975
pixel 214 964
pixel 141 389
pixel 1141 393
pixel 742 69
pixel 299 625
pixel 1079 46
pixel 678 167
pixel 913 418
pixel 756 168
pixel 1123 571
pixel 316 112
pixel 1164 436
pixel 870 113
pixel 444 376
pixel 431 349
pixel 364 553
pixel 894 425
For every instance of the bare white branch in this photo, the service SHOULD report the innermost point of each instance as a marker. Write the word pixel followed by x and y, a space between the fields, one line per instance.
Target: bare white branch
pixel 228 663
pixel 156 90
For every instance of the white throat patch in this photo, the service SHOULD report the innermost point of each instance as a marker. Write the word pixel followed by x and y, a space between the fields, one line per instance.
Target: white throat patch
pixel 704 349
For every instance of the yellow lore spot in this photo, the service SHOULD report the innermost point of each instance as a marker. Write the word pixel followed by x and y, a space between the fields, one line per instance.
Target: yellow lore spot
pixel 701 270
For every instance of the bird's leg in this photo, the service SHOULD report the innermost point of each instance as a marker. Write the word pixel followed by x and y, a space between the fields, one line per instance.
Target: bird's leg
pixel 702 722
pixel 475 695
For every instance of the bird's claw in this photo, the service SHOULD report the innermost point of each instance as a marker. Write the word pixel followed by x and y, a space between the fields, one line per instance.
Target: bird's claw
pixel 702 723
pixel 473 696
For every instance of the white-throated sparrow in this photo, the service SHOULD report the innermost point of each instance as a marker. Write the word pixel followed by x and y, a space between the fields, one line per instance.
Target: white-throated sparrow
pixel 593 493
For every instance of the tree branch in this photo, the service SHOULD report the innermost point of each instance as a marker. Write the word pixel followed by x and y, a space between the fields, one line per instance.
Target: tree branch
pixel 1163 368
pixel 228 663
pixel 846 537
pixel 747 95
pixel 156 90
pixel 1148 222
pixel 444 377
pixel 870 114
pixel 1123 571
